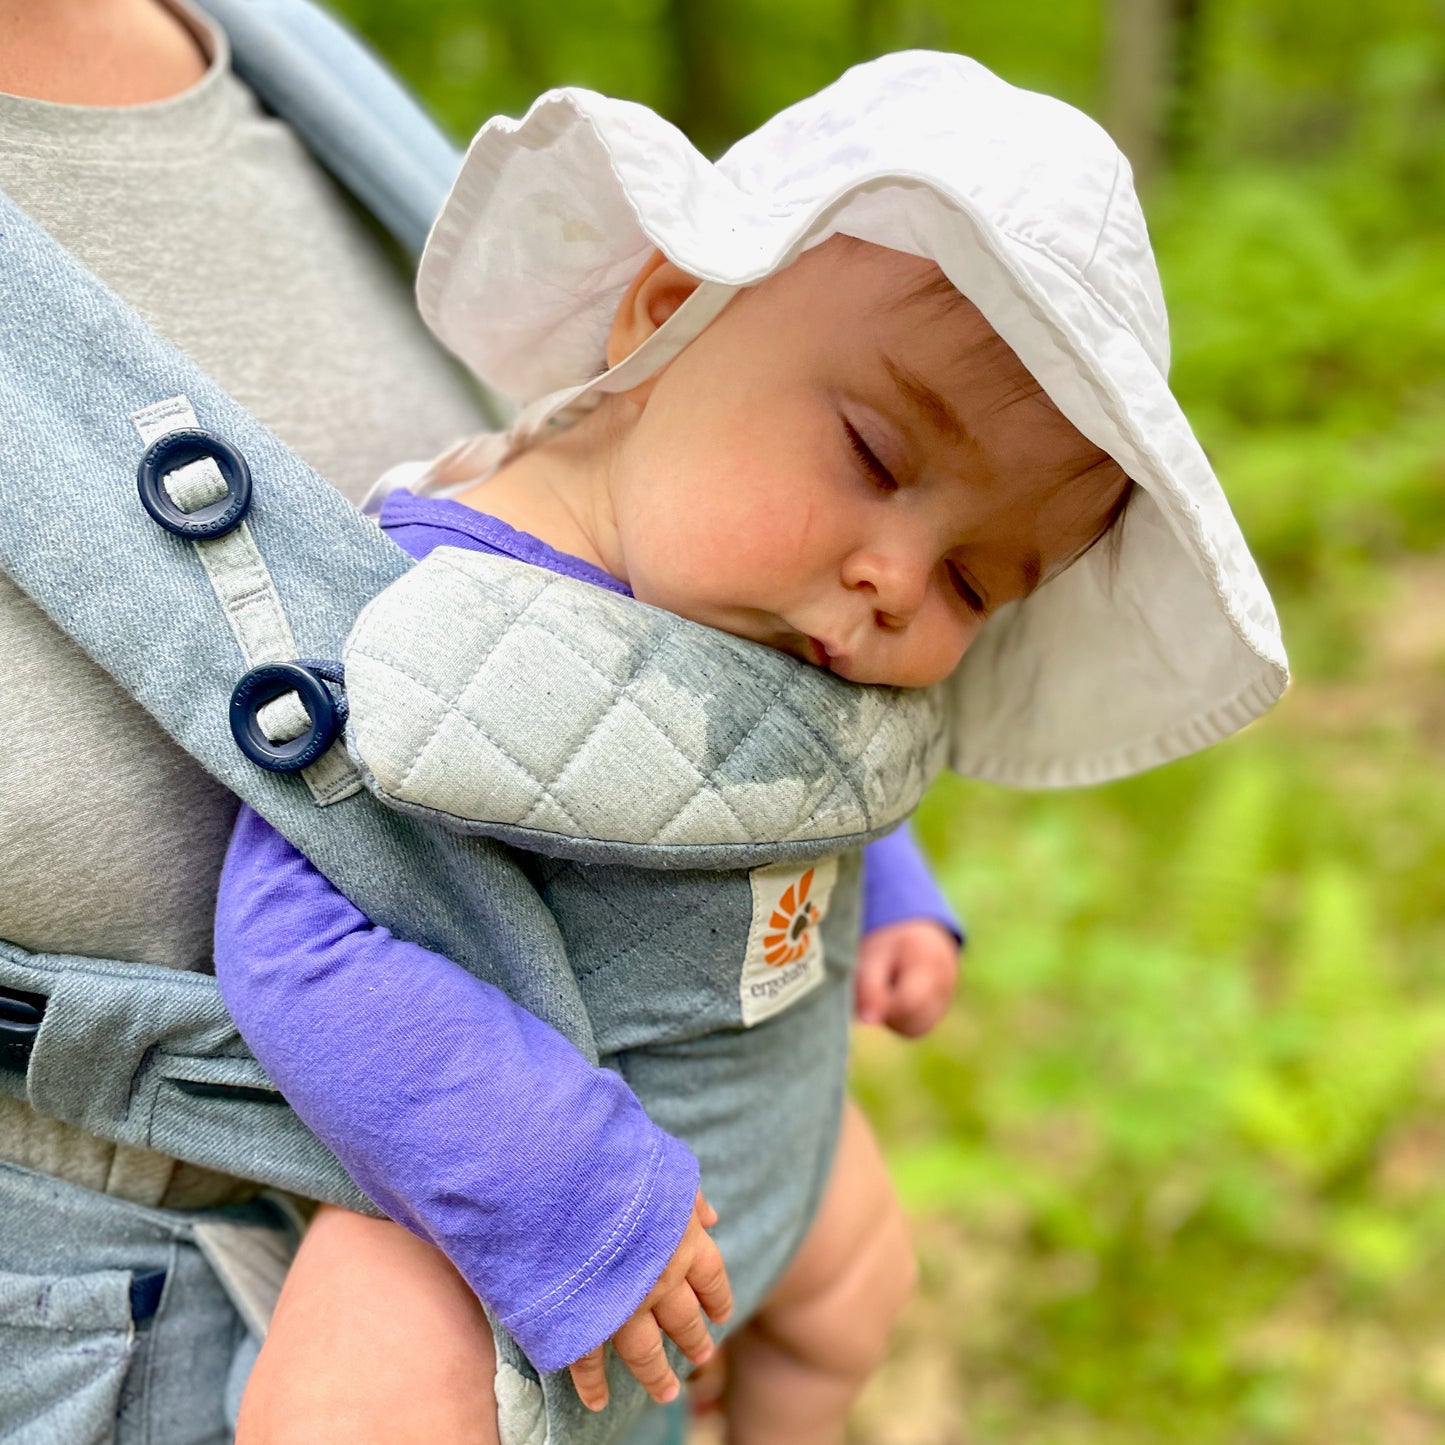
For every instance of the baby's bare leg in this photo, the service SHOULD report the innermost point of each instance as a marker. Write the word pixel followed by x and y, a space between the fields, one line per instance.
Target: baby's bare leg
pixel 798 1366
pixel 376 1340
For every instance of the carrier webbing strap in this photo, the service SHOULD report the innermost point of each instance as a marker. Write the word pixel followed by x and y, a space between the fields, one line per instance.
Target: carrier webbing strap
pixel 149 1056
pixel 57 358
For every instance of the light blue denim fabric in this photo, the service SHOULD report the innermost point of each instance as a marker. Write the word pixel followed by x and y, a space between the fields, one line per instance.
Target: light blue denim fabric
pixel 169 1379
pixel 760 1107
pixel 113 1327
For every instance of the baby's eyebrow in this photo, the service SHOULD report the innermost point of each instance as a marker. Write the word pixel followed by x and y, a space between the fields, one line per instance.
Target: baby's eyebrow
pixel 926 402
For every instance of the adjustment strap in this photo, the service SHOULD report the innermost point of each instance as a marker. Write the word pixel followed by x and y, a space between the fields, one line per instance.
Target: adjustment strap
pixel 242 584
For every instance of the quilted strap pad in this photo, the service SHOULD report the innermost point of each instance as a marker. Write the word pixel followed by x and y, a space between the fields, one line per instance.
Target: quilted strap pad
pixel 543 711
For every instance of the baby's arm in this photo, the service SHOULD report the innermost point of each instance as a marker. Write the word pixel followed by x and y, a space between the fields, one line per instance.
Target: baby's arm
pixel 376 1340
pixel 461 1116
pixel 908 954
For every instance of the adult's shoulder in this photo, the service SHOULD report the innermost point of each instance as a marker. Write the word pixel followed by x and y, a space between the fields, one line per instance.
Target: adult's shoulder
pixel 346 105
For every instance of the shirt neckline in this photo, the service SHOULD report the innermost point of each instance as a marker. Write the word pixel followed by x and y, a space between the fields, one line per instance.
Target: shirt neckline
pixel 182 124
pixel 402 508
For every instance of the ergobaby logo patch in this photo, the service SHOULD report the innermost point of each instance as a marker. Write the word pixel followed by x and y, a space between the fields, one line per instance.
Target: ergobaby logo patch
pixel 784 958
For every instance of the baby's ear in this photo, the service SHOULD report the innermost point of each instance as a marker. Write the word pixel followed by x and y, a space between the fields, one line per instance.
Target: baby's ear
pixel 657 290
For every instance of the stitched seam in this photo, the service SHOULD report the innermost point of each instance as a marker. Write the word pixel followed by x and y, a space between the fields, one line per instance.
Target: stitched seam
pixel 593 1266
pixel 346 781
pixel 622 694
pixel 838 771
pixel 645 934
pixel 454 704
pixel 711 778
pixel 1152 746
pixel 778 701
pixel 843 773
pixel 602 898
pixel 1108 206
pixel 625 692
pixel 1064 264
pixel 261 593
pixel 453 709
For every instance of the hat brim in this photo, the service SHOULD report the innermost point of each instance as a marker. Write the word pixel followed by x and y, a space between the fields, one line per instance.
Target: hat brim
pixel 1137 654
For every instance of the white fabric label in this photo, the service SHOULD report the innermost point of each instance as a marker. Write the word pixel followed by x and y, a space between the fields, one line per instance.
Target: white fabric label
pixel 784 958
pixel 161 417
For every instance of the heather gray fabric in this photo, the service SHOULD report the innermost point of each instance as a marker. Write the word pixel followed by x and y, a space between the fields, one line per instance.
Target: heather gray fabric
pixel 215 223
pixel 209 217
pixel 550 713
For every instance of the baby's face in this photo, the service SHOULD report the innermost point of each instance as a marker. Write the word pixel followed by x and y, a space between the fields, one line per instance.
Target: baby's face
pixel 847 465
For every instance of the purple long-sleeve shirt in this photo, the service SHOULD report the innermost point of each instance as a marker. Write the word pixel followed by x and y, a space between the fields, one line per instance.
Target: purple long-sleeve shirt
pixel 459 1114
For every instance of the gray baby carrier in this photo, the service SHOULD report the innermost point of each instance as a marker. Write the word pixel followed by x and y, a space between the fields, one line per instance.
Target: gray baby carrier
pixel 492 782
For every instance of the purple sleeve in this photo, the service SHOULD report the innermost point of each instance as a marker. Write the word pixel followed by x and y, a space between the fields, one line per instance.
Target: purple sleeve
pixel 458 1113
pixel 898 886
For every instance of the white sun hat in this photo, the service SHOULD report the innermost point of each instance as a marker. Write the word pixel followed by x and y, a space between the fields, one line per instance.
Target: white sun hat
pixel 1129 658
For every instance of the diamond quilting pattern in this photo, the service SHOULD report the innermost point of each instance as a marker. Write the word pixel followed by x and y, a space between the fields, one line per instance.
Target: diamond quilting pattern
pixel 495 693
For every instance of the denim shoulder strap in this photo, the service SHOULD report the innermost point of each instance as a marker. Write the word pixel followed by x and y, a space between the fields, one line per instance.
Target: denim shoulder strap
pixel 137 1054
pixel 347 107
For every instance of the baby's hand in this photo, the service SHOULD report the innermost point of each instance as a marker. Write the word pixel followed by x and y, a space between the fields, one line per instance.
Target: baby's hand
pixel 695 1276
pixel 906 974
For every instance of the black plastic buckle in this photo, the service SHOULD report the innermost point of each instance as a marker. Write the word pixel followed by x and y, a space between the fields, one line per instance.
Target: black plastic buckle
pixel 20 1015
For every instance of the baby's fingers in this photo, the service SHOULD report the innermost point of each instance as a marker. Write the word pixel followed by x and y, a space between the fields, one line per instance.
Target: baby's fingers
pixel 639 1345
pixel 873 981
pixel 708 1277
pixel 919 1001
pixel 681 1320
pixel 589 1379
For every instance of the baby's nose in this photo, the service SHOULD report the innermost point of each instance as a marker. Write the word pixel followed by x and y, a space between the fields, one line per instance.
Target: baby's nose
pixel 899 592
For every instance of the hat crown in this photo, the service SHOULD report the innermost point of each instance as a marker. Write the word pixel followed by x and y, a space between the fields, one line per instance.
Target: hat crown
pixel 1028 166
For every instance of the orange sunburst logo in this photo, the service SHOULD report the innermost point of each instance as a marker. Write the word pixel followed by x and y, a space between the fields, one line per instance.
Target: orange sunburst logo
pixel 791 924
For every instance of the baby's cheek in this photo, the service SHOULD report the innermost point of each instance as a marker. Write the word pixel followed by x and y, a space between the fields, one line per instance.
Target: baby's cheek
pixel 929 650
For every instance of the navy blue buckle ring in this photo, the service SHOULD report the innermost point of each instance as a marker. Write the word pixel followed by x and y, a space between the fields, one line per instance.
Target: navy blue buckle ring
pixel 307 679
pixel 178 449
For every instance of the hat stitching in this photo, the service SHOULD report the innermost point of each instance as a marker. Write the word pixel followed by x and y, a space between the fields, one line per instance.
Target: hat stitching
pixel 1108 206
pixel 1211 726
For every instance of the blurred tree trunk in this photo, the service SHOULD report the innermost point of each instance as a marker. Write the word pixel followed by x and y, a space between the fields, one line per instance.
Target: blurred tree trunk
pixel 1182 127
pixel 1138 81
pixel 866 28
pixel 700 104
pixel 1155 66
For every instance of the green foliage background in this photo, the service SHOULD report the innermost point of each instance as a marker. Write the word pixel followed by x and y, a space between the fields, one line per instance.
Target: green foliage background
pixel 1176 1155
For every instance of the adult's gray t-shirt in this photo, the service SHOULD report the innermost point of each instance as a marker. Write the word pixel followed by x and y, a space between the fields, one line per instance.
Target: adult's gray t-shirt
pixel 210 218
